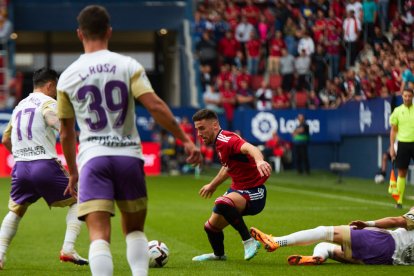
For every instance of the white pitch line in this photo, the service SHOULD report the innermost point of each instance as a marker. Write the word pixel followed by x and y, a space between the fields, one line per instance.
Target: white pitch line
pixel 323 195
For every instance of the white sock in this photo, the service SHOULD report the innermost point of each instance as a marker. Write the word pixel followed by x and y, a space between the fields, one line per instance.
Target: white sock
pixel 7 231
pixel 137 253
pixel 73 227
pixel 100 258
pixel 324 250
pixel 306 237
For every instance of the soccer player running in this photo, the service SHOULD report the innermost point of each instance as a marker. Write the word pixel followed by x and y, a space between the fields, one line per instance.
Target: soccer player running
pixel 402 129
pixel 99 90
pixel 360 242
pixel 244 164
pixel 31 137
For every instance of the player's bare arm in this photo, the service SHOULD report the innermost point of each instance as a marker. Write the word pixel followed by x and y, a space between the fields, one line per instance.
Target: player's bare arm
pixel 393 135
pixel 6 139
pixel 68 141
pixel 163 116
pixel 384 223
pixel 208 190
pixel 263 167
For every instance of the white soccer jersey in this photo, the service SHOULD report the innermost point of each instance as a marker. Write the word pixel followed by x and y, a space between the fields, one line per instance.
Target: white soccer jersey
pixel 404 242
pixel 31 137
pixel 99 89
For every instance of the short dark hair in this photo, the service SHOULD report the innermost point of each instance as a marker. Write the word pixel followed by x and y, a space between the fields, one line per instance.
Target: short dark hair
pixel 43 75
pixel 204 114
pixel 93 21
pixel 408 90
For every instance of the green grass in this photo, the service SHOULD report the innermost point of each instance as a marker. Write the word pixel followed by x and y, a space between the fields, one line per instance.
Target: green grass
pixel 177 214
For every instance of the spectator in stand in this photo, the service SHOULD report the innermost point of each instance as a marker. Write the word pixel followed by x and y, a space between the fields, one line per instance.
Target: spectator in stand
pixel 206 52
pixel 242 75
pixel 287 70
pixel 408 77
pixel 370 11
pixel 228 47
pixel 290 29
pixel 253 52
pixel 282 13
pixel 378 37
pixel 303 71
pixel 205 76
pixel 351 29
pixel 320 67
pixel 263 30
pixel 243 31
pixel 212 99
pixel 228 100
pixel 251 12
pixel 333 49
pixel 329 96
pixel 308 10
pixel 201 24
pixel 6 28
pixel 323 5
pixel 224 75
pixel 280 99
pixel 406 37
pixel 264 97
pixel 396 77
pixel 337 6
pixel 313 101
pixel 231 14
pixel 351 88
pixel 320 27
pixel 221 26
pixel 275 53
pixel 275 146
pixel 355 6
pixel 306 43
pixel 244 96
pixel 383 14
pixel 334 22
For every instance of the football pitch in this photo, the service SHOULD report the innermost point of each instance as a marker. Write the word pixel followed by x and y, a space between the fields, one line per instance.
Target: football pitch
pixel 177 214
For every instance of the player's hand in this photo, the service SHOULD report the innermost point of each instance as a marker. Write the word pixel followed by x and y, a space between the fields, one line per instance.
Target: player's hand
pixel 193 152
pixel 72 186
pixel 392 153
pixel 207 191
pixel 358 224
pixel 264 168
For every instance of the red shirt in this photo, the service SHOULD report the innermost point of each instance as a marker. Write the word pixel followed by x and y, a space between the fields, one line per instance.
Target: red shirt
pixel 318 35
pixel 228 102
pixel 243 77
pixel 231 15
pixel 252 14
pixel 253 48
pixel 240 167
pixel 276 46
pixel 229 47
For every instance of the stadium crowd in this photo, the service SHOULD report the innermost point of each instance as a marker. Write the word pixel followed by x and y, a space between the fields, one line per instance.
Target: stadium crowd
pixel 280 54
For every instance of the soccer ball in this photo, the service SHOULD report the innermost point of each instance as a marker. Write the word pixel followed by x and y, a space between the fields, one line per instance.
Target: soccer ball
pixel 158 253
pixel 379 178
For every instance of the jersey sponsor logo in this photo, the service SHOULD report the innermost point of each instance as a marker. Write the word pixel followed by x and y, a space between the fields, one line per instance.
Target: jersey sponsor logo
pixel 223 138
pixel 407 255
pixel 29 151
pixel 112 141
pixel 365 117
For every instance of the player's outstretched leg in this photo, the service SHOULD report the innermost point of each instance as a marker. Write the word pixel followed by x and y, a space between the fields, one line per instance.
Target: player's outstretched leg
pixel 7 232
pixel 305 260
pixel 267 240
pixel 73 227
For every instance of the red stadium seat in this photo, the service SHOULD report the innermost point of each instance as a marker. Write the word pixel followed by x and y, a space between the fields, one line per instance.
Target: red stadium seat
pixel 256 82
pixel 301 98
pixel 275 81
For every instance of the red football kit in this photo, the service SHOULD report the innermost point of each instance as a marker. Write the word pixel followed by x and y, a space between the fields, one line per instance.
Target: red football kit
pixel 240 167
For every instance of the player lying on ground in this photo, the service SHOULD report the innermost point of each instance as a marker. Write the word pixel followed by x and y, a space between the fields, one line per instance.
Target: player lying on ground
pixel 360 242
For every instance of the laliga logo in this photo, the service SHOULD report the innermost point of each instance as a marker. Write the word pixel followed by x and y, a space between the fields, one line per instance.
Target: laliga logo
pixel 263 125
pixel 364 117
pixel 149 160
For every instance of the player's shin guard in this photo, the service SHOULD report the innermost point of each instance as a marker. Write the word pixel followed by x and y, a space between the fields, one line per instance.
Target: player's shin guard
pixel 137 253
pixel 226 207
pixel 216 239
pixel 73 227
pixel 401 188
pixel 324 250
pixel 100 258
pixel 7 231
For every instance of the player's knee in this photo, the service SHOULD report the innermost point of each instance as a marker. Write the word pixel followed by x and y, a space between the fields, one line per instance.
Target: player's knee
pixel 222 205
pixel 325 249
pixel 208 227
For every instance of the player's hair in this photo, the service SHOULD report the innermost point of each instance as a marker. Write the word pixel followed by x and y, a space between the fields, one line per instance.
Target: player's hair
pixel 408 90
pixel 93 21
pixel 204 114
pixel 43 75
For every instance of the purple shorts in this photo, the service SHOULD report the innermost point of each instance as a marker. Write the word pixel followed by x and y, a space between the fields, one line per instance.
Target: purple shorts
pixel 372 247
pixel 32 180
pixel 112 178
